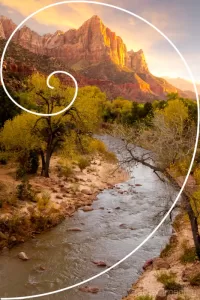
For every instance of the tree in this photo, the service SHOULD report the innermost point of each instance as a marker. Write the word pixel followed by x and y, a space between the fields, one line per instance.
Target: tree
pixel 169 141
pixel 48 134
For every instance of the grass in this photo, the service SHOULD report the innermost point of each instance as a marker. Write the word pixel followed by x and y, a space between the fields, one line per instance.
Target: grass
pixel 168 279
pixel 189 255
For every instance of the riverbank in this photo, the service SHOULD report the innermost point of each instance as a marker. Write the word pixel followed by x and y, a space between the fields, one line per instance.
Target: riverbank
pixel 175 274
pixel 57 197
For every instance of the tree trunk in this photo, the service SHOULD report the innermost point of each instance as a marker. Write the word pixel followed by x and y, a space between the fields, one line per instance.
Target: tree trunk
pixel 47 164
pixel 195 228
pixel 43 163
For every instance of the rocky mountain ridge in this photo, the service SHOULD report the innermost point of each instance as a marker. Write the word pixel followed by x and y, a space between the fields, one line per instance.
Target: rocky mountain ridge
pixel 97 54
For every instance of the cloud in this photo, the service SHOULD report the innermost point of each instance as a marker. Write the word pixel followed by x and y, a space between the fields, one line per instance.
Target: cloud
pixel 55 16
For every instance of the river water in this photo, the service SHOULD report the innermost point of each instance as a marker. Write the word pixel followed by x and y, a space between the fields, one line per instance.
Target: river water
pixel 67 256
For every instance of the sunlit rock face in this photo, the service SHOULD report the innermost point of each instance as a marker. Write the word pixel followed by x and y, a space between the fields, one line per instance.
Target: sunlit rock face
pixel 97 55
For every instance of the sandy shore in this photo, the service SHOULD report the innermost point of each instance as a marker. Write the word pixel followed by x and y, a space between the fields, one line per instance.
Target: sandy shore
pixel 25 219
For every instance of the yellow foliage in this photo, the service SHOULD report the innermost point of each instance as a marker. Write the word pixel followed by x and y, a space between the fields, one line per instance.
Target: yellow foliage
pixel 197 175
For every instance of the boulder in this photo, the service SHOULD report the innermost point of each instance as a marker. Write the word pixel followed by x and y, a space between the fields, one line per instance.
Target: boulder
pixel 23 256
pixel 162 295
pixel 160 263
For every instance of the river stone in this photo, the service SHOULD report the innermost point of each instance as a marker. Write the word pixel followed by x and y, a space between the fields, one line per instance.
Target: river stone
pixel 162 295
pixel 160 263
pixel 87 192
pixel 99 263
pixel 87 208
pixel 13 239
pixel 148 264
pixel 74 229
pixel 137 184
pixel 89 289
pixel 23 256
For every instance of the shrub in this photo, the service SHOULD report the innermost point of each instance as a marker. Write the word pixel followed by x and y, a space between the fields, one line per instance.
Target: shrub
pixel 169 281
pixel 189 255
pixel 43 200
pixel 83 163
pixel 33 162
pixel 3 161
pixel 28 163
pixel 167 250
pixel 97 146
pixel 25 192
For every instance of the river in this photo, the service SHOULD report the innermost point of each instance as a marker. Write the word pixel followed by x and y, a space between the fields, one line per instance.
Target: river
pixel 67 256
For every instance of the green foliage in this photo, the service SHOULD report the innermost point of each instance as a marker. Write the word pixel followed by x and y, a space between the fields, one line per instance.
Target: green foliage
pixel 189 255
pixel 127 112
pixel 28 133
pixel 168 279
pixel 167 250
pixel 24 191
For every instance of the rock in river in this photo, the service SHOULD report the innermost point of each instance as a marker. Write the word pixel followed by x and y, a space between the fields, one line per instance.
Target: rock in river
pixel 23 256
pixel 89 289
pixel 74 229
pixel 99 263
pixel 87 208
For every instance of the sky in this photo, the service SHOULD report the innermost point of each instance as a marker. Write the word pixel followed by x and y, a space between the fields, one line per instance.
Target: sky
pixel 178 19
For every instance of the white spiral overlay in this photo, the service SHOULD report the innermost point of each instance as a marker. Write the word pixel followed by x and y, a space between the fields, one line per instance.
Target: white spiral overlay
pixel 195 147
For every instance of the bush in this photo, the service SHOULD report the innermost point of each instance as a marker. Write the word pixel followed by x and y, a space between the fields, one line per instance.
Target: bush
pixel 43 200
pixel 189 255
pixel 83 163
pixel 33 162
pixel 167 250
pixel 97 146
pixel 169 281
pixel 4 157
pixel 28 163
pixel 3 161
pixel 25 192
